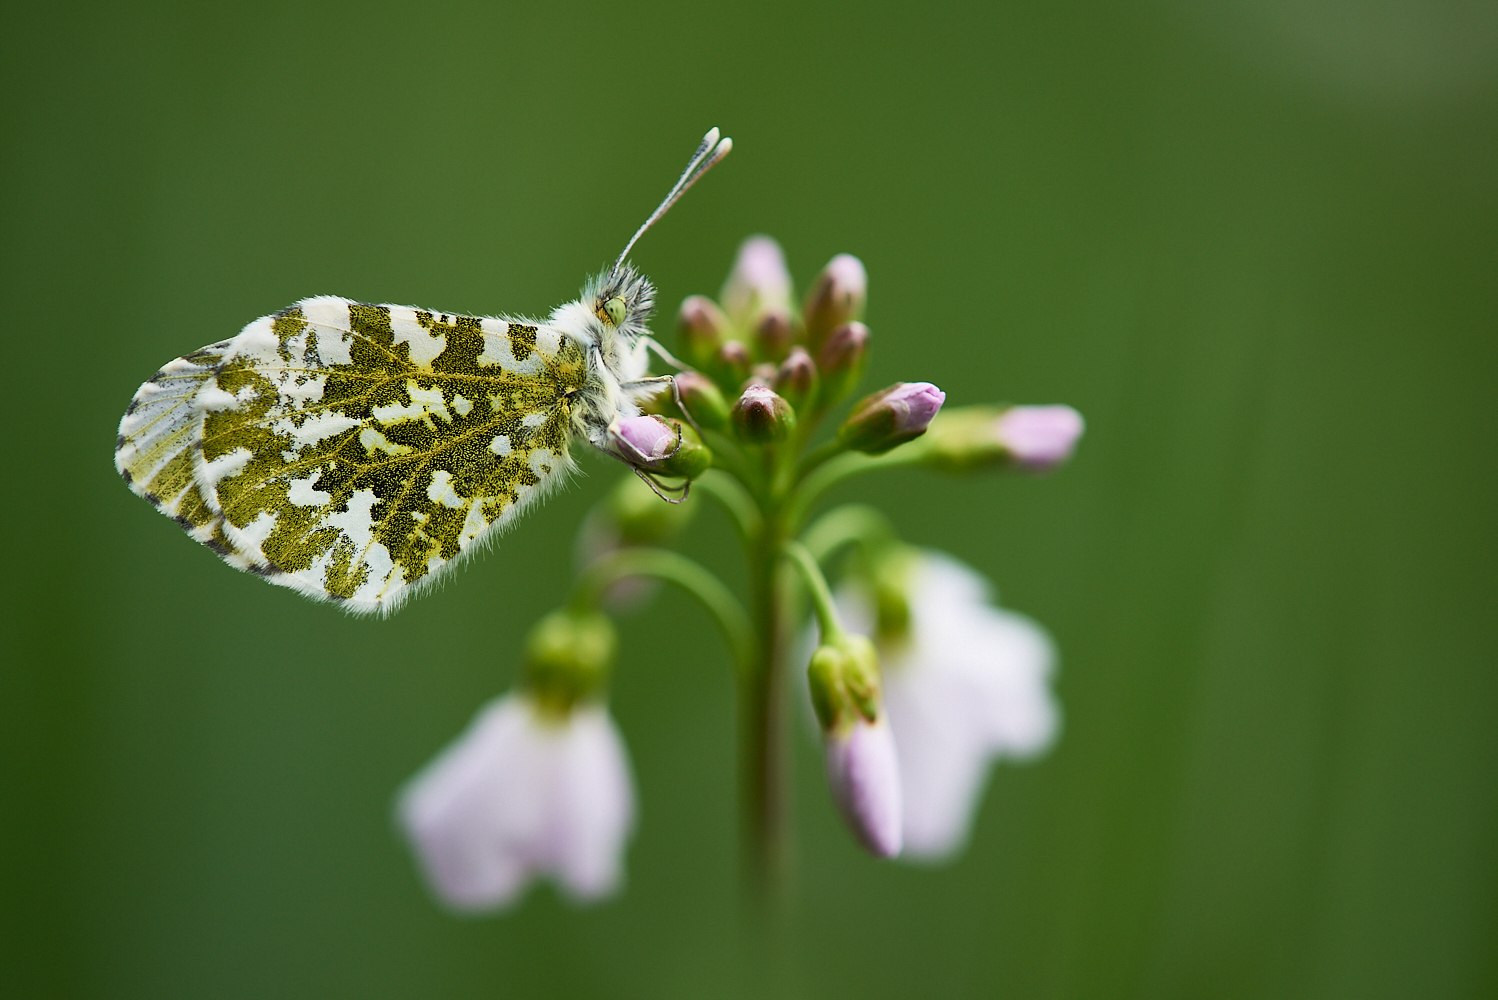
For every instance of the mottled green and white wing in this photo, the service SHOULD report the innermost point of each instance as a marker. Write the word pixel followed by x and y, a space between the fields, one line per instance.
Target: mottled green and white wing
pixel 352 451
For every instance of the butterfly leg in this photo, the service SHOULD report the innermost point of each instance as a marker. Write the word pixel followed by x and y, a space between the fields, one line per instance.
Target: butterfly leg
pixel 664 492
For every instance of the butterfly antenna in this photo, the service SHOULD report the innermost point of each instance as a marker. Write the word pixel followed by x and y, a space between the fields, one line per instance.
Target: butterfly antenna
pixel 708 153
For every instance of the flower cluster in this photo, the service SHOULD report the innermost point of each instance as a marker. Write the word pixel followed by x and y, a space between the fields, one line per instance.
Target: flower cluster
pixel 917 680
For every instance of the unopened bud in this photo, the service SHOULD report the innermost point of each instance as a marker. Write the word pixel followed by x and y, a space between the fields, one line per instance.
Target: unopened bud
pixel 841 360
pixel 844 680
pixel 862 769
pixel 796 380
pixel 700 327
pixel 863 773
pixel 890 417
pixel 759 280
pixel 733 360
pixel 1027 437
pixel 568 655
pixel 772 334
pixel 1040 437
pixel 660 444
pixel 760 416
pixel 703 400
pixel 837 297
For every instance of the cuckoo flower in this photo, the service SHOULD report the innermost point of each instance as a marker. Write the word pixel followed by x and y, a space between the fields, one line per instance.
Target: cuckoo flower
pixel 525 791
pixel 1039 437
pixel 759 281
pixel 967 683
pixel 538 785
pixel 862 768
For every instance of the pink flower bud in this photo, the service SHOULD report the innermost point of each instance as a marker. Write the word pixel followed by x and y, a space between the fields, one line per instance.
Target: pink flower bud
pixel 772 334
pixel 700 326
pixel 660 444
pixel 841 360
pixel 703 400
pixel 1039 437
pixel 759 280
pixel 891 417
pixel 642 440
pixel 837 298
pixel 733 359
pixel 864 775
pixel 761 416
pixel 796 378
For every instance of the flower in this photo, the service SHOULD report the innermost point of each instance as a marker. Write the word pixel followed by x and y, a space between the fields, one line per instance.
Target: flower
pixel 758 282
pixel 862 769
pixel 1039 437
pixel 760 415
pixel 842 357
pixel 892 416
pixel 660 444
pixel 523 792
pixel 702 400
pixel 796 378
pixel 837 296
pixel 642 440
pixel 1035 438
pixel 863 772
pixel 967 684
pixel 700 325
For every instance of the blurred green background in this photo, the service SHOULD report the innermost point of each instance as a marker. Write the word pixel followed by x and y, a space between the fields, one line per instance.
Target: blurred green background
pixel 1254 242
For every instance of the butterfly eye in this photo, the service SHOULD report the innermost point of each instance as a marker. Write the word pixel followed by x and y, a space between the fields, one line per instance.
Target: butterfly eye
pixel 612 311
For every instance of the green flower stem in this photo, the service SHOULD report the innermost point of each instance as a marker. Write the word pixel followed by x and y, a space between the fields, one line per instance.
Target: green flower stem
pixel 730 494
pixel 817 457
pixel 690 576
pixel 846 466
pixel 730 457
pixel 764 703
pixel 854 523
pixel 816 585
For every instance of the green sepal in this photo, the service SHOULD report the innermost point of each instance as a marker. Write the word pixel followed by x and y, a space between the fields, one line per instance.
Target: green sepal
pixel 843 676
pixel 568 657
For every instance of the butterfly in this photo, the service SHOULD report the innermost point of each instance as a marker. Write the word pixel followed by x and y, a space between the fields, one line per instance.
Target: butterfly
pixel 355 452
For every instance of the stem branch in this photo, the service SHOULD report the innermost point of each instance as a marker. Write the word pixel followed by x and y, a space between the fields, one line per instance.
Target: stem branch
pixel 821 594
pixel 690 576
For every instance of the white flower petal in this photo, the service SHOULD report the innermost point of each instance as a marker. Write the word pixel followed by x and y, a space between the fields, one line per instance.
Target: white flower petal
pixel 594 807
pixel 970 685
pixel 864 774
pixel 519 794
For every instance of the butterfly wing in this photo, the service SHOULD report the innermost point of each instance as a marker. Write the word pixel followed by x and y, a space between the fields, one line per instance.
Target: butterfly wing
pixel 352 451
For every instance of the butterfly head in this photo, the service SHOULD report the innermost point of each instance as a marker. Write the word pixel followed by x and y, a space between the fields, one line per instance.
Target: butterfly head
pixel 622 299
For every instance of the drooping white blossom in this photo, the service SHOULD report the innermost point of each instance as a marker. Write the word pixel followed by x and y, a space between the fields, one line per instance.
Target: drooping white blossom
pixel 863 772
pixel 522 792
pixel 968 684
